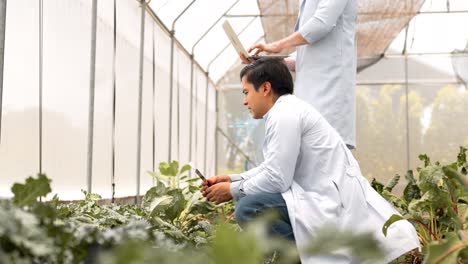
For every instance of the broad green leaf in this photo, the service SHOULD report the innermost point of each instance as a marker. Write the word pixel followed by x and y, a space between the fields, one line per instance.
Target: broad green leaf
pixel 174 167
pixel 426 203
pixel 185 168
pixel 393 182
pixel 455 188
pixel 189 205
pixel 400 204
pixel 410 177
pixel 390 221
pixel 411 192
pixel 377 186
pixel 152 193
pixel 177 205
pixel 461 157
pixel 159 204
pixel 27 194
pixel 169 169
pixel 445 251
pixel 453 174
pixel 430 177
pixel 193 189
pixel 425 159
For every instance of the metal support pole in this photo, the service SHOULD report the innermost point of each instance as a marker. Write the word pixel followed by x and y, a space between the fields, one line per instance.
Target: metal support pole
pixel 91 94
pixel 140 99
pixel 178 111
pixel 191 109
pixel 405 51
pixel 171 85
pixel 3 4
pixel 41 42
pixel 153 104
pixel 171 81
pixel 215 133
pixel 206 121
pixel 114 90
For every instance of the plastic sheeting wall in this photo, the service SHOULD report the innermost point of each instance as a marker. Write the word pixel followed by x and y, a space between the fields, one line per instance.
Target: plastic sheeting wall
pixel 66 80
pixel 390 134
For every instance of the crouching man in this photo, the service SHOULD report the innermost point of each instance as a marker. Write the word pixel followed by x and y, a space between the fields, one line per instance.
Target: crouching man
pixel 309 176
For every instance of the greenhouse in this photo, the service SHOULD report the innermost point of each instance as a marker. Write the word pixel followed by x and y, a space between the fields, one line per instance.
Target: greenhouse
pixel 109 109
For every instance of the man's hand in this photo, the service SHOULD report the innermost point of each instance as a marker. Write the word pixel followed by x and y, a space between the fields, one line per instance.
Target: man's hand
pixel 219 193
pixel 212 181
pixel 273 47
pixel 245 60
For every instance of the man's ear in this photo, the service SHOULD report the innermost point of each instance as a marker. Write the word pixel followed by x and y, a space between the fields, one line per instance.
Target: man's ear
pixel 267 88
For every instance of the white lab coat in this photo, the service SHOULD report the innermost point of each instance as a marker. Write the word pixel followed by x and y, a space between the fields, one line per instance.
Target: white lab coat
pixel 326 67
pixel 308 162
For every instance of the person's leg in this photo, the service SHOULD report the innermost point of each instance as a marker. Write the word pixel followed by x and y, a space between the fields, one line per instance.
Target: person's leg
pixel 252 206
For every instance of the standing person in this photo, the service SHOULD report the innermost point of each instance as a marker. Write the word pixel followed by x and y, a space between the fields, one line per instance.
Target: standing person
pixel 309 176
pixel 325 64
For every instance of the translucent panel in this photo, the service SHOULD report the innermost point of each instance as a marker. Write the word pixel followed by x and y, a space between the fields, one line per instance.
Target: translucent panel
pixel 211 132
pixel 386 70
pixel 438 121
pixel 421 69
pixel 168 10
pixel 200 121
pixel 194 23
pixel 147 129
pixel 181 106
pixel 427 29
pixel 127 65
pixel 161 108
pixel 103 102
pixel 244 131
pixel 67 38
pixel 427 69
pixel 381 130
pixel 19 148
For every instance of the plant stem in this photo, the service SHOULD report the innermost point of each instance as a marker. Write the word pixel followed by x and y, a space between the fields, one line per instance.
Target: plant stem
pixel 448 252
pixel 425 226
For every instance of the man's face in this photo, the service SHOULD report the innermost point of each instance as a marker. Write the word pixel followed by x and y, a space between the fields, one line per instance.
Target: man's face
pixel 254 100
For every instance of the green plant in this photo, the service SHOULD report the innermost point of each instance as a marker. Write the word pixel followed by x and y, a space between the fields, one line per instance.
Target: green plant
pixel 173 223
pixel 436 203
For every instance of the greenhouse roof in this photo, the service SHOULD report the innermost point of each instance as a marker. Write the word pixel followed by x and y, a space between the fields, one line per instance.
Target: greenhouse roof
pixel 380 26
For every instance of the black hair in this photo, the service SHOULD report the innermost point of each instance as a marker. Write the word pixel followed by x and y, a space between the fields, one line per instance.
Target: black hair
pixel 272 70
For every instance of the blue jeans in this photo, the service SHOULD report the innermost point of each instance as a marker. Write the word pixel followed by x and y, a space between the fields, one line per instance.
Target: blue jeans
pixel 252 206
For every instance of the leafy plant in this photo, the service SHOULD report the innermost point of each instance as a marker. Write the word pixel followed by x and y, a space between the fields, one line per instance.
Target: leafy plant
pixel 173 223
pixel 436 203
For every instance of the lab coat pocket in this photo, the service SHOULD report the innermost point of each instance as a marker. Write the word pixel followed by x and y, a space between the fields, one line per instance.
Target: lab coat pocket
pixel 315 211
pixel 352 196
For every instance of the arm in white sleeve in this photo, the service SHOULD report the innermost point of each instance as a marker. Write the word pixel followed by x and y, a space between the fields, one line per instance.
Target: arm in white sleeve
pixel 275 174
pixel 323 21
pixel 246 175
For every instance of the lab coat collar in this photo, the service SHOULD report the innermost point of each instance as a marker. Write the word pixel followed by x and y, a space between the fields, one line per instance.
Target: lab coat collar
pixel 281 98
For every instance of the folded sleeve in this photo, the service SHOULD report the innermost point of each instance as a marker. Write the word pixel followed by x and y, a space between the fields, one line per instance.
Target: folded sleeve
pixel 323 20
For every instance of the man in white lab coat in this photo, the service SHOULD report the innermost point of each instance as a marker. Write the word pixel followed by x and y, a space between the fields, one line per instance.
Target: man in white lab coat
pixel 325 63
pixel 309 176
